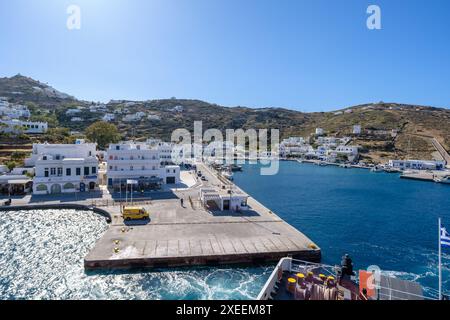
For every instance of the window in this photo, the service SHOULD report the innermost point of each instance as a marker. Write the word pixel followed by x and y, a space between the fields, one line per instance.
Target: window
pixel 78 171
pixel 52 171
pixel 68 172
pixel 86 171
pixel 131 168
pixel 94 170
pixel 117 148
pixel 46 172
pixel 60 171
pixel 110 157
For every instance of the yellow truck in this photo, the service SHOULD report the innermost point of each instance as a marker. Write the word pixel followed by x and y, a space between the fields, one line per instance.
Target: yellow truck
pixel 135 213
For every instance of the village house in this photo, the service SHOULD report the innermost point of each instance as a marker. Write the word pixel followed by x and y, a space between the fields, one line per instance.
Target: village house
pixel 416 164
pixel 134 117
pixel 108 117
pixel 12 111
pixel 18 126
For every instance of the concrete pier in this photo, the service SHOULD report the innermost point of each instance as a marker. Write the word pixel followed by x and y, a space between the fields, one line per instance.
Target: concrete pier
pixel 424 175
pixel 192 235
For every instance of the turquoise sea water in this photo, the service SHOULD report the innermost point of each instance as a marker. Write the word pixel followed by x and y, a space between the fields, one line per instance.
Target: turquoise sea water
pixel 377 218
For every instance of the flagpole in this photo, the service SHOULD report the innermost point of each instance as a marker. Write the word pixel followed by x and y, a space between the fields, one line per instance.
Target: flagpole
pixel 440 266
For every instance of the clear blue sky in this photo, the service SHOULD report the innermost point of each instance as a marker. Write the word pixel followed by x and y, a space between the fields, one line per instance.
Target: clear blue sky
pixel 305 55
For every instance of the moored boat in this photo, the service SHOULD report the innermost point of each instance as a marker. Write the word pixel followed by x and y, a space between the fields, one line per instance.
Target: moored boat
pixel 377 169
pixel 235 168
pixel 444 180
pixel 227 174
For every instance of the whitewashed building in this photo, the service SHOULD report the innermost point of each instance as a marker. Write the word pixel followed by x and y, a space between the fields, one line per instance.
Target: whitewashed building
pixel 351 152
pixel 223 200
pixel 357 129
pixel 319 131
pixel 17 126
pixel 108 117
pixel 12 111
pixel 416 164
pixel 134 117
pixel 140 162
pixel 64 168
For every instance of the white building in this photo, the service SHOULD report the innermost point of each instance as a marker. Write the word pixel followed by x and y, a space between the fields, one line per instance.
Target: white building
pixel 154 117
pixel 14 111
pixel 98 108
pixel 177 109
pixel 138 161
pixel 319 131
pixel 71 112
pixel 134 117
pixel 224 200
pixel 76 119
pixel 357 129
pixel 17 126
pixel 416 164
pixel 351 152
pixel 108 117
pixel 64 168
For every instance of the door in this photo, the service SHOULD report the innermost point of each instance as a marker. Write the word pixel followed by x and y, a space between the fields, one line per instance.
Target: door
pixel 170 180
pixel 226 205
pixel 56 188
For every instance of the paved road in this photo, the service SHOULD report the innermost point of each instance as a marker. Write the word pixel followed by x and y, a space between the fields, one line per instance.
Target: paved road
pixel 441 150
pixel 437 145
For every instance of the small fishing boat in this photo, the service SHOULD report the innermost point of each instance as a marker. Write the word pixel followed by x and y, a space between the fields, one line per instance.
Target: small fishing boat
pixel 444 180
pixel 227 174
pixel 235 168
pixel 377 169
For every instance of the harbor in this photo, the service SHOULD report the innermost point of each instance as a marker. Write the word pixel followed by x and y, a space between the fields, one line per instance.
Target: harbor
pixel 183 230
pixel 319 201
pixel 187 234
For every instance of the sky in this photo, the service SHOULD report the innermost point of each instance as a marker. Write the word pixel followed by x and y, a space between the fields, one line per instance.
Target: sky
pixel 307 55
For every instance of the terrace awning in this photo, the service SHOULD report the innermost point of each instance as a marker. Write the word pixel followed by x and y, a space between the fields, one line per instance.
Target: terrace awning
pixel 19 181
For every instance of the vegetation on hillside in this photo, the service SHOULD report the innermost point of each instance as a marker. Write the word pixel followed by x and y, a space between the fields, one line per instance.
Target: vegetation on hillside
pixel 102 133
pixel 408 120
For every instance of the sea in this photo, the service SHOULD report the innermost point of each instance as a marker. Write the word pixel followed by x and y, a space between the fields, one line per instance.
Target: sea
pixel 377 218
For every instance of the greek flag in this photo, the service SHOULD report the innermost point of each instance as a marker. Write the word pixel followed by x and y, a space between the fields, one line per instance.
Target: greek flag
pixel 445 237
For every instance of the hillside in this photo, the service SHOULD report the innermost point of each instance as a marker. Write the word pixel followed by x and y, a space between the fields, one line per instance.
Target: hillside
pixel 414 124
